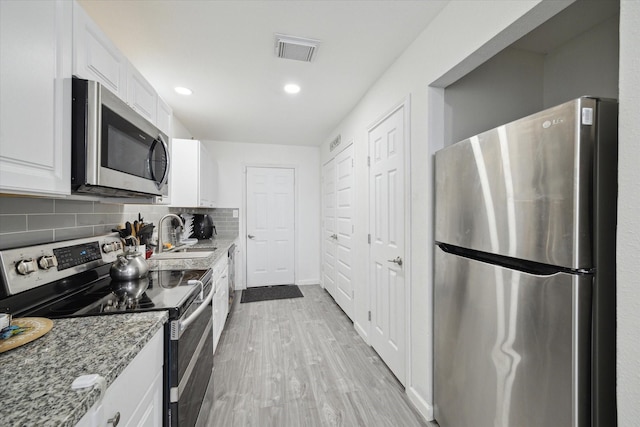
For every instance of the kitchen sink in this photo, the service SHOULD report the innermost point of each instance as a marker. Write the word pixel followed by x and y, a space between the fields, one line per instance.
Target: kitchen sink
pixel 199 249
pixel 180 254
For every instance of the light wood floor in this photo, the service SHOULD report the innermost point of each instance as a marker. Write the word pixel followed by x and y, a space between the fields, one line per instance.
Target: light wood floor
pixel 299 362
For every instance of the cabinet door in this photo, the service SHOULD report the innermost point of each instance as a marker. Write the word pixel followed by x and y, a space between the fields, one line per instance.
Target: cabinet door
pixel 95 57
pixel 220 306
pixel 137 392
pixel 35 97
pixel 194 175
pixel 184 173
pixel 140 94
pixel 208 172
pixel 164 115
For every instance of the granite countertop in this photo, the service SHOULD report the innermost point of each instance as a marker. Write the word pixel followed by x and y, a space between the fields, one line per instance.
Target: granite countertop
pixel 219 246
pixel 35 379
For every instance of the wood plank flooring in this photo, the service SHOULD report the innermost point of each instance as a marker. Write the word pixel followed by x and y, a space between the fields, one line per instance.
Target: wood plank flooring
pixel 299 362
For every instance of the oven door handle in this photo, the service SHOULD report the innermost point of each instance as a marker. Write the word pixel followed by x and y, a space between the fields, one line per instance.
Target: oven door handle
pixel 184 324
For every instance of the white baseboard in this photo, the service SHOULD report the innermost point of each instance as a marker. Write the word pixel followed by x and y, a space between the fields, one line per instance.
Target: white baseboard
pixel 425 409
pixel 360 330
pixel 306 282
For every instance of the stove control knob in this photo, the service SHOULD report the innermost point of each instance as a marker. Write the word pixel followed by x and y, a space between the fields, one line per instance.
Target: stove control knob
pixel 46 262
pixel 111 247
pixel 26 266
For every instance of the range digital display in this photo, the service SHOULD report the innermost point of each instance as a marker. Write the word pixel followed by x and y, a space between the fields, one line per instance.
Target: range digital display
pixel 71 256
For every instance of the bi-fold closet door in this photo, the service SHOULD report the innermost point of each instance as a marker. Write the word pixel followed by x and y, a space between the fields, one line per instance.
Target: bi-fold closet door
pixel 338 199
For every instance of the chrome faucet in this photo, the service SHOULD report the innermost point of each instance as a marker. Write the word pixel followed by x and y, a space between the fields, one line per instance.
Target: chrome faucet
pixel 160 242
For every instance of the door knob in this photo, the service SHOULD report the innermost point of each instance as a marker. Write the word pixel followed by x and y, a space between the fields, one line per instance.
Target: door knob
pixel 115 420
pixel 334 236
pixel 251 236
pixel 397 260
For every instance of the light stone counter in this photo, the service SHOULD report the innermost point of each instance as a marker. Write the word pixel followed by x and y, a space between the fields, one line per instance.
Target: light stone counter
pixel 35 379
pixel 219 246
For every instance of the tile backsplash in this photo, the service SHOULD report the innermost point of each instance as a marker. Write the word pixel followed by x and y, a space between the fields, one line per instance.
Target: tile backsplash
pixel 226 224
pixel 28 221
pixel 223 218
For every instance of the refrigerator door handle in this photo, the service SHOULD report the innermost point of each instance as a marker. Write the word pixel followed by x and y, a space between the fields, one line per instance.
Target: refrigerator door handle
pixel 397 260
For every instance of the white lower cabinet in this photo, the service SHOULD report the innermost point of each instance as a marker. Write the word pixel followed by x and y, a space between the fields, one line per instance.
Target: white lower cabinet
pixel 220 304
pixel 135 397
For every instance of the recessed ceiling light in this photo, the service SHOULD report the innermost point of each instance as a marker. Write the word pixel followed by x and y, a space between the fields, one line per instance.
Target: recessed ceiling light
pixel 183 90
pixel 292 88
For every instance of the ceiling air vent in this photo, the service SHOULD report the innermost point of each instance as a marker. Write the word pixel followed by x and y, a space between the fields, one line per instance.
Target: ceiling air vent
pixel 298 48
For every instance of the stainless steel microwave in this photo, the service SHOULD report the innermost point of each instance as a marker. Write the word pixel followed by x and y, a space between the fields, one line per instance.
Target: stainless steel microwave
pixel 115 151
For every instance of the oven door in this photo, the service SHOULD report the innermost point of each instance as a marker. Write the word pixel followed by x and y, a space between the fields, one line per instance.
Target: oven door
pixel 114 148
pixel 190 361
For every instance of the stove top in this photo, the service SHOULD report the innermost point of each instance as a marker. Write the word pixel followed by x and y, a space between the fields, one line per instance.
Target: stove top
pixel 71 279
pixel 160 290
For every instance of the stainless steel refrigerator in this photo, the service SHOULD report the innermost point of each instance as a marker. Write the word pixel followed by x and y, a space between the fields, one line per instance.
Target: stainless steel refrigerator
pixel 524 293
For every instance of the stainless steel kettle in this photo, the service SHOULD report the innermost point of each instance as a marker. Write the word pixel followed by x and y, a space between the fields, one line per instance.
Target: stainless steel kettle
pixel 129 266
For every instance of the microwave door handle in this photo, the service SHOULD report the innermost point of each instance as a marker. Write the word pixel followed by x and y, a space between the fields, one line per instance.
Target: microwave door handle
pixel 165 178
pixel 184 324
pixel 166 172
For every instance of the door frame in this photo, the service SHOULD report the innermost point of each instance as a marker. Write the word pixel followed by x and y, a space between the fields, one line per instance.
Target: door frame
pixel 242 236
pixel 405 104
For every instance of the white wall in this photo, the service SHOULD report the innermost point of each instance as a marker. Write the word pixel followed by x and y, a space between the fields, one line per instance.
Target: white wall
pixel 178 130
pixel 505 88
pixel 234 157
pixel 451 45
pixel 628 251
pixel 516 82
pixel 589 61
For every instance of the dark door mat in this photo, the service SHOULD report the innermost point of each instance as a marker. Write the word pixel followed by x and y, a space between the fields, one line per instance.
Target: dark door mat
pixel 265 293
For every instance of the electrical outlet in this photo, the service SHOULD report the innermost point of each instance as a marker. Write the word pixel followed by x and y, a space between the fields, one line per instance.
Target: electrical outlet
pixel 235 213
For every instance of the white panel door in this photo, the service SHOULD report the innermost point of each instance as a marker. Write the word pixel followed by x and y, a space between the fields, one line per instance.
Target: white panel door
pixel 345 195
pixel 329 233
pixel 386 210
pixel 270 226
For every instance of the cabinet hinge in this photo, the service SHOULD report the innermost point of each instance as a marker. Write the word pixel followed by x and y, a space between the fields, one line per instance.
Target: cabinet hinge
pixel 353 163
pixel 369 315
pixel 368 160
pixel 369 238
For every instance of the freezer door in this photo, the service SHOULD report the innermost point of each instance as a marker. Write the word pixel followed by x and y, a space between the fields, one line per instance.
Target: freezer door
pixel 510 348
pixel 524 189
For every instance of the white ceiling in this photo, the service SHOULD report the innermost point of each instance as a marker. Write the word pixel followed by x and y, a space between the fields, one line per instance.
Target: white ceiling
pixel 224 52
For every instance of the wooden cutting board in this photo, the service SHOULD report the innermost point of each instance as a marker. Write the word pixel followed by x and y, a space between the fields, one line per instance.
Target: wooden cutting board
pixel 38 326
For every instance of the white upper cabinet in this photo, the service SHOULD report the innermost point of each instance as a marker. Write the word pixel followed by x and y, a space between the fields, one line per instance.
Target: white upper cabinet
pixel 140 94
pixel 35 97
pixel 194 175
pixel 95 57
pixel 208 179
pixel 165 113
